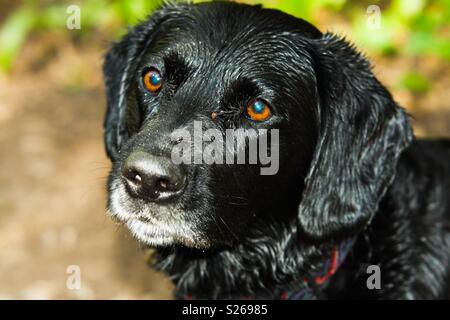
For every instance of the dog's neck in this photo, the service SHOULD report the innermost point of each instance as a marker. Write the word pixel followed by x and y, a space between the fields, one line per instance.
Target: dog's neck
pixel 286 269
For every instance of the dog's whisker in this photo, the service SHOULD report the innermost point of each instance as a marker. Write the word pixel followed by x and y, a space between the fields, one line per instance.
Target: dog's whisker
pixel 228 228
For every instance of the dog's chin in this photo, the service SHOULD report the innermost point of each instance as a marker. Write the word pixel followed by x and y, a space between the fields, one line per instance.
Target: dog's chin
pixel 150 235
pixel 147 228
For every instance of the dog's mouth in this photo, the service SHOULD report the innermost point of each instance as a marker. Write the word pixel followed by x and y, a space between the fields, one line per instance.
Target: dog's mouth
pixel 162 234
pixel 147 227
pixel 148 233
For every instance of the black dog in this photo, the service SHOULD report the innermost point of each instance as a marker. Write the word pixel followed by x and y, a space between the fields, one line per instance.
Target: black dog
pixel 352 182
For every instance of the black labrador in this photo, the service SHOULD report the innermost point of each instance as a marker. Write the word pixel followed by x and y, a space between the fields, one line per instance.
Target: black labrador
pixel 355 207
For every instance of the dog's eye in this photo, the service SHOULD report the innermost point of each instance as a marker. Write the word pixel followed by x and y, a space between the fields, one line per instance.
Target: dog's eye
pixel 153 80
pixel 258 110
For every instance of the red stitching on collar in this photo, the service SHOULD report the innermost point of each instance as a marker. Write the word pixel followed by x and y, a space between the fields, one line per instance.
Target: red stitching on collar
pixel 331 269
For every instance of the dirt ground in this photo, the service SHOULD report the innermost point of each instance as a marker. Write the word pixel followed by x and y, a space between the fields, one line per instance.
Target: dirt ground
pixel 52 176
pixel 53 170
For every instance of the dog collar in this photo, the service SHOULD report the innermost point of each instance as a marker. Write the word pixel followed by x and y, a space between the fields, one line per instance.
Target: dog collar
pixel 310 284
pixel 320 280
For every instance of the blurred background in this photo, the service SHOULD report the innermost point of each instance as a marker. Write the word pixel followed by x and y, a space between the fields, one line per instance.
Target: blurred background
pixel 52 163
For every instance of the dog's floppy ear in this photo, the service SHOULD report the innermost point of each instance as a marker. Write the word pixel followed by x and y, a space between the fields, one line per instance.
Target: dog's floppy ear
pixel 362 132
pixel 118 68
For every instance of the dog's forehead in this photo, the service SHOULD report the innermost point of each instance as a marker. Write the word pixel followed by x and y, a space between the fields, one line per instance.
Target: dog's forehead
pixel 240 35
pixel 230 17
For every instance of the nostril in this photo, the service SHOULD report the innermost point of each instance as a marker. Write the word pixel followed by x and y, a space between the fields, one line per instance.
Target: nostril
pixel 133 176
pixel 137 177
pixel 168 184
pixel 163 184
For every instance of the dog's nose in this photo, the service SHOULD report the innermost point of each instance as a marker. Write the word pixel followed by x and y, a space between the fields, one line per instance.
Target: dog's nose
pixel 151 177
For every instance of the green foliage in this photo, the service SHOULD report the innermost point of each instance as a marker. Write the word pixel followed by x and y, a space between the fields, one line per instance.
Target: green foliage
pixel 415 82
pixel 301 8
pixel 13 34
pixel 32 16
pixel 409 27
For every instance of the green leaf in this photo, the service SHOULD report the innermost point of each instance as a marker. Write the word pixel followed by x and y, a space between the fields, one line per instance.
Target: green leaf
pixel 408 8
pixel 415 82
pixel 13 34
pixel 376 40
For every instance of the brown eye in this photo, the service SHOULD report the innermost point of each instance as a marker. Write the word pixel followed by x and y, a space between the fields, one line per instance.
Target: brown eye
pixel 258 110
pixel 153 81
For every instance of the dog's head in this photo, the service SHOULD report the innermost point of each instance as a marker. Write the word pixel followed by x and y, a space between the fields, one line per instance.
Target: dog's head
pixel 218 66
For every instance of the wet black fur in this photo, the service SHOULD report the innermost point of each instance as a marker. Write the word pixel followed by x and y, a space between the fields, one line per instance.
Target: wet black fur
pixel 350 166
